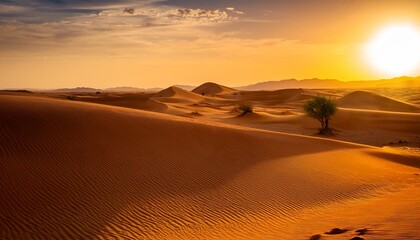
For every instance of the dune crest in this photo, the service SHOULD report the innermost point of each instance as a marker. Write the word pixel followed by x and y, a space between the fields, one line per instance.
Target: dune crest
pixel 209 89
pixel 176 92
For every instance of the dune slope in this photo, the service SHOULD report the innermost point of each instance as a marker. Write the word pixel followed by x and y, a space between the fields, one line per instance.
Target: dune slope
pixel 73 170
pixel 210 88
pixel 368 100
pixel 177 92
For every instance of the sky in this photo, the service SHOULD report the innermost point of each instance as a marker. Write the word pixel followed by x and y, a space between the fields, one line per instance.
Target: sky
pixel 158 43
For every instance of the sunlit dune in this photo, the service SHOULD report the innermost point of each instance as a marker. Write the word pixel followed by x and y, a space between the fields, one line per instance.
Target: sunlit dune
pixel 176 92
pixel 212 89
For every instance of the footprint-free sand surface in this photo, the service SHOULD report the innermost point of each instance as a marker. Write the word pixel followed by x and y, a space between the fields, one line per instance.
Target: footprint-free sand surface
pixel 75 170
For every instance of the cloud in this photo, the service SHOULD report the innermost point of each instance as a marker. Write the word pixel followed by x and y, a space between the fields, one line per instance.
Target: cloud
pixel 232 9
pixel 68 25
pixel 11 9
pixel 172 16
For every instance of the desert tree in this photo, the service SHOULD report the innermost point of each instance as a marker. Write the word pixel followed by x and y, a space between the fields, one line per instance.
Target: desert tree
pixel 321 109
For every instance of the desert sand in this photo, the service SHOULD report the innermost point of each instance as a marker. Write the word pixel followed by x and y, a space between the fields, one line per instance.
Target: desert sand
pixel 182 165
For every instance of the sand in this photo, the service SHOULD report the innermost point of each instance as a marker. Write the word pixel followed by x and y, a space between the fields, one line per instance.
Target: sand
pixel 368 100
pixel 212 89
pixel 76 170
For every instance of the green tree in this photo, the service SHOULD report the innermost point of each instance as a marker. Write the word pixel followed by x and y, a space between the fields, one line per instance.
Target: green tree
pixel 321 109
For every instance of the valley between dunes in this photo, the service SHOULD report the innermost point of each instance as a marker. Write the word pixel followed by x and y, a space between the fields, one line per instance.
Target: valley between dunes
pixel 181 165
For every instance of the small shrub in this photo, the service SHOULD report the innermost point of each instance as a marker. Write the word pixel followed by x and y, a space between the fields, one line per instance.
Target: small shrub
pixel 71 97
pixel 401 142
pixel 245 109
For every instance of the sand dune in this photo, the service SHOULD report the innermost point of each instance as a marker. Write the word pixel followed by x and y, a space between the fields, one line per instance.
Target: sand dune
pixel 72 170
pixel 176 92
pixel 210 89
pixel 278 96
pixel 368 100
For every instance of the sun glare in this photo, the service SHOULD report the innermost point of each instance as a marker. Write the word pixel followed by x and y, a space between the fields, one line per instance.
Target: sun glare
pixel 395 50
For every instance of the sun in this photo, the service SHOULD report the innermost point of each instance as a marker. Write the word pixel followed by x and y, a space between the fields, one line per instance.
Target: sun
pixel 395 50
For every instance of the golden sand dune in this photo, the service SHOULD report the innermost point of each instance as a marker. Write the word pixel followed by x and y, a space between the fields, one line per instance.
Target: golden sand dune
pixel 176 92
pixel 210 89
pixel 377 120
pixel 280 98
pixel 72 170
pixel 128 100
pixel 368 100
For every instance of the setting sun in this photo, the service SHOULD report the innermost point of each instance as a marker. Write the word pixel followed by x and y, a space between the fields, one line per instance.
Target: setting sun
pixel 395 50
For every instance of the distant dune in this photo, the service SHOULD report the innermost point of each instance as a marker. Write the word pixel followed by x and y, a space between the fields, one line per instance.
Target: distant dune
pixel 176 92
pixel 131 89
pixel 75 90
pixel 16 91
pixel 213 89
pixel 369 100
pixel 74 170
pixel 278 96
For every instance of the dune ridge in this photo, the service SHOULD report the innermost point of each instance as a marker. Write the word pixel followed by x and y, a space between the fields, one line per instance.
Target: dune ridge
pixel 369 100
pixel 176 92
pixel 211 89
pixel 78 170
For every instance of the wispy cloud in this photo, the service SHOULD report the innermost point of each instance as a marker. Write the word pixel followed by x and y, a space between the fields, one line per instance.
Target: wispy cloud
pixel 232 9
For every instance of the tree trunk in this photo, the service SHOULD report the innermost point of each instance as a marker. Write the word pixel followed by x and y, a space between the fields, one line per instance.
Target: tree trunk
pixel 326 124
pixel 322 125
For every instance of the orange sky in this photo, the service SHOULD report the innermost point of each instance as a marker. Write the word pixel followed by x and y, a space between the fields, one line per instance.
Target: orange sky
pixel 52 44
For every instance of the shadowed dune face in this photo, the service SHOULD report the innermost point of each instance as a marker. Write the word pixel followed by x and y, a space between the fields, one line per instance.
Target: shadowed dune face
pixel 77 170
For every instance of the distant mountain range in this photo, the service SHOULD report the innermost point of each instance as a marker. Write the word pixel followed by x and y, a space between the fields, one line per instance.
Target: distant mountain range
pixel 332 83
pixel 113 89
pixel 131 89
pixel 93 90
pixel 314 83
